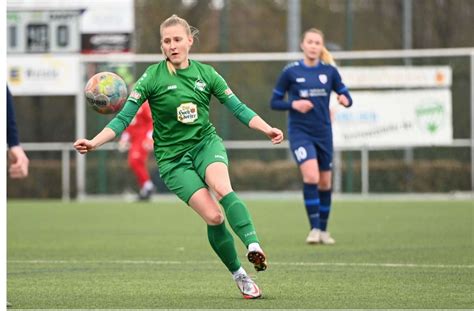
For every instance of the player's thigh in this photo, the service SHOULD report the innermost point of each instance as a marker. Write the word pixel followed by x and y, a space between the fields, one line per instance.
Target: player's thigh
pixel 305 155
pixel 137 153
pixel 218 180
pixel 211 164
pixel 202 203
pixel 324 151
pixel 183 180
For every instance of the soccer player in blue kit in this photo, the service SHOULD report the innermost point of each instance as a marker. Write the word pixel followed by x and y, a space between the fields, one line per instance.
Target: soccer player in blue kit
pixel 308 84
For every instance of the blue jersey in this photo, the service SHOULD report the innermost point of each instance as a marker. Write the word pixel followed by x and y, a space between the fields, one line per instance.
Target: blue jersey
pixel 12 132
pixel 315 84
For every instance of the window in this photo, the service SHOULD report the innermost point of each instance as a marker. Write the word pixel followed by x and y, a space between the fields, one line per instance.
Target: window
pixel 12 39
pixel 62 36
pixel 37 36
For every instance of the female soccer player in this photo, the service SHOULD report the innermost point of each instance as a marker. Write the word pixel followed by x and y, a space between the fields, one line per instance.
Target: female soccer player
pixel 308 84
pixel 191 157
pixel 137 138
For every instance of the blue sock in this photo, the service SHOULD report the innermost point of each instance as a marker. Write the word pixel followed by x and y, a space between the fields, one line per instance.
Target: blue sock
pixel 311 201
pixel 324 208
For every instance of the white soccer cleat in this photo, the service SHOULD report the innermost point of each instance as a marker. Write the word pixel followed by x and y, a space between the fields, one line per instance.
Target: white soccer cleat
pixel 247 286
pixel 314 236
pixel 257 257
pixel 326 238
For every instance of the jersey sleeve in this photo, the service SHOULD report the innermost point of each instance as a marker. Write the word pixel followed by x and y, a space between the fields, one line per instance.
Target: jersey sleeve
pixel 136 98
pixel 12 132
pixel 339 87
pixel 224 94
pixel 283 83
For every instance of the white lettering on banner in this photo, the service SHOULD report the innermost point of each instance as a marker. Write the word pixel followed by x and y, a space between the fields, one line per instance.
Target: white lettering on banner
pixel 395 119
pixel 396 76
pixel 38 75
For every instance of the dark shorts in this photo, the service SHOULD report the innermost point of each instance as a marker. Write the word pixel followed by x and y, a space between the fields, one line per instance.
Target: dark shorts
pixel 186 175
pixel 307 148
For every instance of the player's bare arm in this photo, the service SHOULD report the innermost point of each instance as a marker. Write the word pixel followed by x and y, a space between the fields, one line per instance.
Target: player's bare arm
pixel 275 134
pixel 83 145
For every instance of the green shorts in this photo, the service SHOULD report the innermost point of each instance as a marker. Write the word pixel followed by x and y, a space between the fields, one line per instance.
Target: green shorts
pixel 186 175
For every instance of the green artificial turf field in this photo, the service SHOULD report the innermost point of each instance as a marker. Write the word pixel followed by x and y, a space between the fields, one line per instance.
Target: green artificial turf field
pixel 156 255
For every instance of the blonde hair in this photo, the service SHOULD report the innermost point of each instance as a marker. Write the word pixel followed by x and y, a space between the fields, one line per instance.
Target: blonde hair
pixel 172 21
pixel 326 56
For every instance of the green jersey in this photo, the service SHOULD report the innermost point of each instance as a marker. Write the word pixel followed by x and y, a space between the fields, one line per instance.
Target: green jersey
pixel 179 105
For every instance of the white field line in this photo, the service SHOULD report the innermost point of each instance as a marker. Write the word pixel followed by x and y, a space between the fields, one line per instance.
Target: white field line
pixel 307 264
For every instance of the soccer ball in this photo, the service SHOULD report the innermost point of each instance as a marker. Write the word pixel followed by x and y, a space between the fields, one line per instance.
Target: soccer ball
pixel 106 92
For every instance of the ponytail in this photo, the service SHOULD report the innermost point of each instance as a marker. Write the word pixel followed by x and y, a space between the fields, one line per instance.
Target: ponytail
pixel 327 57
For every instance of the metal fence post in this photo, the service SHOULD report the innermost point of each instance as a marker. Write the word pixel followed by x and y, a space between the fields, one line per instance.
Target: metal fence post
pixel 472 121
pixel 66 174
pixel 364 170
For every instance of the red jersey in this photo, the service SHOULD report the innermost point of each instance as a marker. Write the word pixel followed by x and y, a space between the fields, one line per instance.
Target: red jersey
pixel 141 126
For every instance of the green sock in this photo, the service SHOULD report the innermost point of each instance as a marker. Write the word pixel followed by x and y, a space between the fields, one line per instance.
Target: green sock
pixel 239 218
pixel 222 243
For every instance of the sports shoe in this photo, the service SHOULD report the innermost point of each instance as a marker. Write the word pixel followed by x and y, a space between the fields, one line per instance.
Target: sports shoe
pixel 258 258
pixel 145 194
pixel 247 286
pixel 326 238
pixel 314 236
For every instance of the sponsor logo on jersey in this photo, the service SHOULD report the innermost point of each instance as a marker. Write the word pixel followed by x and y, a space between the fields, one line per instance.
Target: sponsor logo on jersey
pixel 300 80
pixel 135 95
pixel 323 78
pixel 200 85
pixel 172 87
pixel 228 92
pixel 187 113
pixel 317 92
pixel 218 156
pixel 304 93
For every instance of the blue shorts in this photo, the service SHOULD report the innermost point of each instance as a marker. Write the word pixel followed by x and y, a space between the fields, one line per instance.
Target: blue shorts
pixel 306 149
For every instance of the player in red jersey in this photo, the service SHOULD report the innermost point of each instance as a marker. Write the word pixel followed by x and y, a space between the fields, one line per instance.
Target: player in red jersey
pixel 137 138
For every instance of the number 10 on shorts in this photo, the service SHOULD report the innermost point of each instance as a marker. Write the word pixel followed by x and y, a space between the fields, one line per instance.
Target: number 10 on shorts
pixel 300 154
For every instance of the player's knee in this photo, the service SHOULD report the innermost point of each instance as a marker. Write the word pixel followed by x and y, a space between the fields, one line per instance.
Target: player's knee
pixel 216 218
pixel 325 182
pixel 311 179
pixel 221 191
pixel 324 185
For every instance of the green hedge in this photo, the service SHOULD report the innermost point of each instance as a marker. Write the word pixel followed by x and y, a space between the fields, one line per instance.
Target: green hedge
pixel 254 175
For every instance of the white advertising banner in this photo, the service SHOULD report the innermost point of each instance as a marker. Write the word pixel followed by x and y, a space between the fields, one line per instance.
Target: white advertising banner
pixel 394 119
pixel 396 77
pixel 108 16
pixel 34 75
